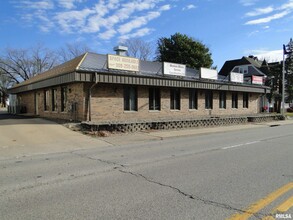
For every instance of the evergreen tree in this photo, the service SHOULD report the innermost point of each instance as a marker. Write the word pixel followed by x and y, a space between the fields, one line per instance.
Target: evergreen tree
pixel 180 48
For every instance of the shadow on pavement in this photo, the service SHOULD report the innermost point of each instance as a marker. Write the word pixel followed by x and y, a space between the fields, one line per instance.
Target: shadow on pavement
pixel 10 119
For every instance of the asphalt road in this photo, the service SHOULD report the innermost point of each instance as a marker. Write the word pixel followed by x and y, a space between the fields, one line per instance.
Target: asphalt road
pixel 210 176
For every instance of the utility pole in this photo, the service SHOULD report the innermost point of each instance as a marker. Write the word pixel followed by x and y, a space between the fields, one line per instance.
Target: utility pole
pixel 287 50
pixel 283 85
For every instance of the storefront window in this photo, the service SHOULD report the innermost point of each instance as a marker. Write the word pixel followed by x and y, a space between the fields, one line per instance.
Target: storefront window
pixel 234 100
pixel 63 98
pixel 46 100
pixel 209 99
pixel 54 99
pixel 222 101
pixel 175 99
pixel 130 99
pixel 192 99
pixel 154 99
pixel 245 100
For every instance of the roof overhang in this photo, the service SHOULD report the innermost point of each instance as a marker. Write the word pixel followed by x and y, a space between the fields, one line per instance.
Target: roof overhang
pixel 136 79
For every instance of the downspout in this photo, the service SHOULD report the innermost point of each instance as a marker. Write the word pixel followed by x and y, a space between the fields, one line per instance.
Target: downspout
pixel 90 95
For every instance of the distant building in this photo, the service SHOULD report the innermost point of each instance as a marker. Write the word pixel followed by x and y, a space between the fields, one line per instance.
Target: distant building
pixel 254 71
pixel 112 88
pixel 248 66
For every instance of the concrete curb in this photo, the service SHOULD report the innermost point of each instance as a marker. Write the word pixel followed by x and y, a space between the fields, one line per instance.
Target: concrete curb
pixel 163 134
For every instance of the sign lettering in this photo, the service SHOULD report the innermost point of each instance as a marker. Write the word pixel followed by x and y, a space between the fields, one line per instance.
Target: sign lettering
pixel 123 63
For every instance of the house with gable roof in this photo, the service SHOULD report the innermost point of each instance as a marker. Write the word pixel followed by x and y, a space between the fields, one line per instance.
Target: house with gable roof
pixel 249 66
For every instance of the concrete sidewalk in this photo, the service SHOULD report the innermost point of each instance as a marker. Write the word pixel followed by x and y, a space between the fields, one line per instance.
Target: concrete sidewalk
pixel 121 139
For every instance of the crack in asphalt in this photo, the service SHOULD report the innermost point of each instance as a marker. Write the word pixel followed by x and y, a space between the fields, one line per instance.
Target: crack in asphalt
pixel 98 159
pixel 61 180
pixel 119 167
pixel 193 197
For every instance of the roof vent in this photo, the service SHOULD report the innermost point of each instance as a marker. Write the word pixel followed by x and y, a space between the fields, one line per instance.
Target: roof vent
pixel 121 50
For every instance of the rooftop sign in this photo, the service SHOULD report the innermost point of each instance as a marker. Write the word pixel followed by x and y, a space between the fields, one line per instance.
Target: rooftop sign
pixel 208 73
pixel 123 63
pixel 236 77
pixel 257 80
pixel 174 69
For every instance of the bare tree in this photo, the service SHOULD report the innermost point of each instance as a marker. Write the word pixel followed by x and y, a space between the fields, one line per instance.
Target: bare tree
pixel 17 65
pixel 21 64
pixel 140 49
pixel 71 50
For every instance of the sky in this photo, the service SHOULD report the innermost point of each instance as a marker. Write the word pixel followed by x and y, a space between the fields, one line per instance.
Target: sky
pixel 229 28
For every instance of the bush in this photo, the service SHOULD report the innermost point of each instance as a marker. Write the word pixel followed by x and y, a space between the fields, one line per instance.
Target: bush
pixel 289 109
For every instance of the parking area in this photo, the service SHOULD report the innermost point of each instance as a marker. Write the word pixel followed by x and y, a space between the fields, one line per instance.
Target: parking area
pixel 23 136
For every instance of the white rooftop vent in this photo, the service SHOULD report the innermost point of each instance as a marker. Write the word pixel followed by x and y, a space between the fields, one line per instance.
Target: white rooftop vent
pixel 121 50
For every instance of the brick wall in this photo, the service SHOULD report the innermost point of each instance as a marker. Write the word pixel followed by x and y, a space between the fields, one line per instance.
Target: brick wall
pixel 108 105
pixel 76 94
pixel 27 100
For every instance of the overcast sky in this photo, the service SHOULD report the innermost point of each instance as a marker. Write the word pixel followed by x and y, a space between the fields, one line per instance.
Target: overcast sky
pixel 230 28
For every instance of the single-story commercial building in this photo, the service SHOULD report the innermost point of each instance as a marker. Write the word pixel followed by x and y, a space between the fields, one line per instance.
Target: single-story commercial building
pixel 113 88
